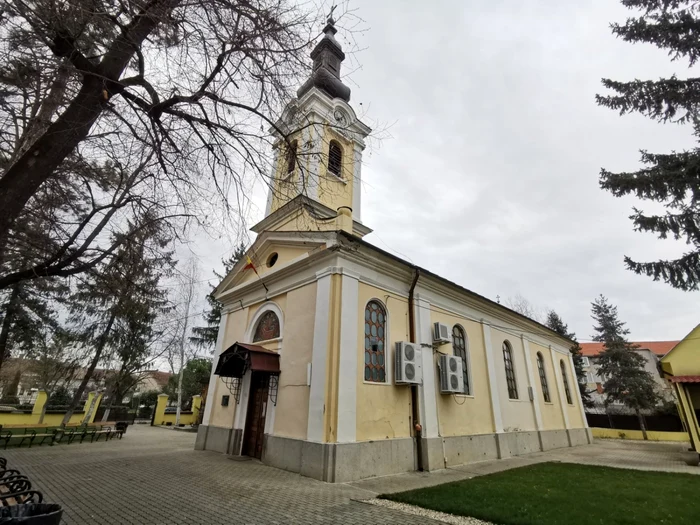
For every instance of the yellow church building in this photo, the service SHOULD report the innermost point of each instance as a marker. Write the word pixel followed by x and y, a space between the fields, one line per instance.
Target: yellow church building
pixel 341 361
pixel 681 367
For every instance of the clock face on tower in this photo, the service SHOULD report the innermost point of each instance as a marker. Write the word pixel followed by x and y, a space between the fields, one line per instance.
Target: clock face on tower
pixel 340 117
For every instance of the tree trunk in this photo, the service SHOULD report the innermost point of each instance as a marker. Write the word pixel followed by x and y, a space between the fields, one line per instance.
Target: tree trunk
pixel 88 413
pixel 179 393
pixel 43 411
pixel 105 416
pixel 182 362
pixel 88 373
pixel 10 311
pixel 642 424
pixel 30 170
pixel 13 387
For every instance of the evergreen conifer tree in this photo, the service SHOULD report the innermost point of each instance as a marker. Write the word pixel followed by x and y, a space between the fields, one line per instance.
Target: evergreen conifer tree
pixel 120 300
pixel 205 336
pixel 669 178
pixel 555 323
pixel 622 369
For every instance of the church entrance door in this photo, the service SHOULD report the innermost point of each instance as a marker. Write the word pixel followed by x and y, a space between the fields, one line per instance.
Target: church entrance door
pixel 255 418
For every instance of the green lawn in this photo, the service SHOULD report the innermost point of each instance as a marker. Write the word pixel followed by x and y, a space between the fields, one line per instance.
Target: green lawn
pixel 566 494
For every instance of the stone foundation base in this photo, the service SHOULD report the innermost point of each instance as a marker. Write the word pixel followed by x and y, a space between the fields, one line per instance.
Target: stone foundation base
pixel 218 439
pixel 341 462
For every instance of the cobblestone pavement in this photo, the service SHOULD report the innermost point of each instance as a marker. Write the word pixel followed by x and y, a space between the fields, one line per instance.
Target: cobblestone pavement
pixel 153 476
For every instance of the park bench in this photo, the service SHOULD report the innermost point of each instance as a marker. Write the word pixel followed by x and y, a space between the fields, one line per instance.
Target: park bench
pixel 27 434
pixel 16 489
pixel 71 433
pixel 105 431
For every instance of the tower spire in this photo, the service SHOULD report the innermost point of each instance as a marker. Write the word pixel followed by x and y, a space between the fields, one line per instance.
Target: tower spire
pixel 327 56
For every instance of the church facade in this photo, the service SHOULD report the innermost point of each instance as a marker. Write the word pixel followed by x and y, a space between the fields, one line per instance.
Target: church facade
pixel 340 361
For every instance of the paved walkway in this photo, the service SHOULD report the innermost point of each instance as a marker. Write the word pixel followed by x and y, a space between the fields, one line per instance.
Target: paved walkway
pixel 666 457
pixel 153 476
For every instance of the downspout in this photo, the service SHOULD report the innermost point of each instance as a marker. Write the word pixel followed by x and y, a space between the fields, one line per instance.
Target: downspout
pixel 415 414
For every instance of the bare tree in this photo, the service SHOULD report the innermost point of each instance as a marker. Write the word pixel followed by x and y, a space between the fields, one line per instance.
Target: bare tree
pixel 187 295
pixel 56 361
pixel 523 306
pixel 192 85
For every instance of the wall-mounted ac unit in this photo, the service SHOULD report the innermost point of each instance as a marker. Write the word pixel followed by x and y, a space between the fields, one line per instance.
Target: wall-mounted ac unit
pixel 451 378
pixel 441 333
pixel 408 364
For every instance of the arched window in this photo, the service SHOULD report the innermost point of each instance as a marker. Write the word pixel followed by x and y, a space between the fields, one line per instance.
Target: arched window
pixel 459 349
pixel 291 156
pixel 510 370
pixel 375 342
pixel 566 382
pixel 268 327
pixel 335 158
pixel 543 377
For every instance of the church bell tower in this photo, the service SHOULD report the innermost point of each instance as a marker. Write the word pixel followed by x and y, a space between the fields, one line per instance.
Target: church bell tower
pixel 316 176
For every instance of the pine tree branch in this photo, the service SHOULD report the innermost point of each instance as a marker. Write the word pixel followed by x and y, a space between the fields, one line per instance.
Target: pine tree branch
pixel 682 273
pixel 664 100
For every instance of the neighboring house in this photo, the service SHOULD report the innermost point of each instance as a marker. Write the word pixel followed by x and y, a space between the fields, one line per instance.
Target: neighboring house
pixel 341 361
pixel 681 367
pixel 152 380
pixel 652 351
pixel 28 384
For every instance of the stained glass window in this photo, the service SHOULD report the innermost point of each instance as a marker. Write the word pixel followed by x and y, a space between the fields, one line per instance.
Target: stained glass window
pixel 268 327
pixel 543 377
pixel 510 371
pixel 375 342
pixel 459 349
pixel 566 382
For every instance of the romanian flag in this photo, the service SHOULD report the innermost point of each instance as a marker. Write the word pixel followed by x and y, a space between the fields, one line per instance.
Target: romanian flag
pixel 250 265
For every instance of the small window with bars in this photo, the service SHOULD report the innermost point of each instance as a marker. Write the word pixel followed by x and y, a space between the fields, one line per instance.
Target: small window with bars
pixel 335 158
pixel 543 378
pixel 510 370
pixel 291 156
pixel 565 379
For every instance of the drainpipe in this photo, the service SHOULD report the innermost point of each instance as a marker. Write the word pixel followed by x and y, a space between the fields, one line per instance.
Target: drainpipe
pixel 415 416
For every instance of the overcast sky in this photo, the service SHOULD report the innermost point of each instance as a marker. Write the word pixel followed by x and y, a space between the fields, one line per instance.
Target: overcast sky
pixel 488 173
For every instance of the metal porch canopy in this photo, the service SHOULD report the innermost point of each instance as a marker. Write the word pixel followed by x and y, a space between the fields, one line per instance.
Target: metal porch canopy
pixel 240 357
pixel 684 379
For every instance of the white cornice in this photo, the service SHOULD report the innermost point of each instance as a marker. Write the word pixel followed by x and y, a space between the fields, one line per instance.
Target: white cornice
pixel 317 109
pixel 441 293
pixel 298 273
pixel 300 204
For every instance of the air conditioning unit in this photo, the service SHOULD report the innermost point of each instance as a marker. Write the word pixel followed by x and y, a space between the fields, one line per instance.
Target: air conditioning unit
pixel 451 378
pixel 441 333
pixel 408 364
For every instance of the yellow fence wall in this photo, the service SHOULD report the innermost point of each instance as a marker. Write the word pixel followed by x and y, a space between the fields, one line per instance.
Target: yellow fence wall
pixel 617 433
pixel 161 418
pixel 16 419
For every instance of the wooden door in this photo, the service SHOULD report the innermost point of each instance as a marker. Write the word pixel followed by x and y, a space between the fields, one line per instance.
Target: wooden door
pixel 255 418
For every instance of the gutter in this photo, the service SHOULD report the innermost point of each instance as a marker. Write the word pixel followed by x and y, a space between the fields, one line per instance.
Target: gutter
pixel 415 413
